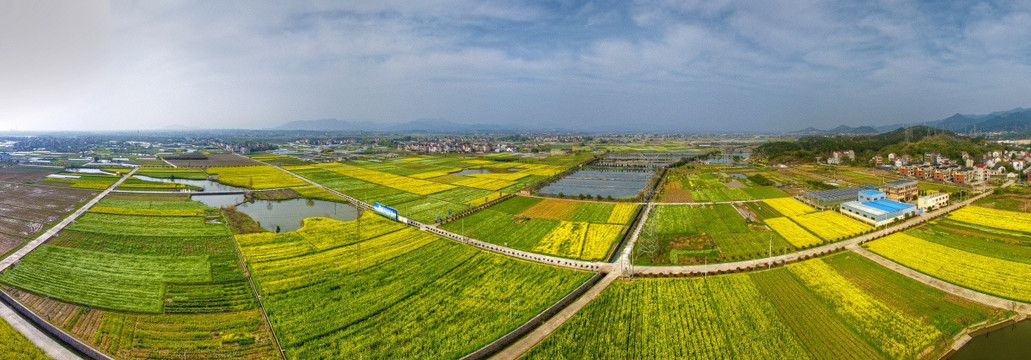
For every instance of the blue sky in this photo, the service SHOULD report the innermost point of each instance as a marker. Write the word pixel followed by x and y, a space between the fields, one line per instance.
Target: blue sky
pixel 645 65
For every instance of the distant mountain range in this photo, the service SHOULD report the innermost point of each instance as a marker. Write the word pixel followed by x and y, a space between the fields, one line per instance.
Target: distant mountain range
pixel 1018 119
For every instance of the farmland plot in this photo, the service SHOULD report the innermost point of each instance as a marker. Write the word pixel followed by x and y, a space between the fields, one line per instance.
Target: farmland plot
pixel 993 218
pixel 685 235
pixel 255 177
pixel 143 294
pixel 570 229
pixel 1008 279
pixel 26 210
pixel 411 294
pixel 836 307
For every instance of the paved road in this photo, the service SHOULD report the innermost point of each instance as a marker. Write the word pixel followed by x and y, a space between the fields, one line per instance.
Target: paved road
pixel 624 260
pixel 950 288
pixel 52 348
pixel 530 340
pixel 32 245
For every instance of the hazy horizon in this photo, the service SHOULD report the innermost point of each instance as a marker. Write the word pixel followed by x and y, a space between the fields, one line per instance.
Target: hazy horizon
pixel 693 66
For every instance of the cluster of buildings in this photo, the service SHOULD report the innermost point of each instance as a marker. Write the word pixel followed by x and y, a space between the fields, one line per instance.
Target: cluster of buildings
pixel 450 147
pixel 877 205
pixel 938 167
pixel 968 170
pixel 838 157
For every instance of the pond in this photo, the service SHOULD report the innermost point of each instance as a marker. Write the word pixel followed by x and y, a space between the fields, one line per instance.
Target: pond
pixel 1010 342
pixel 205 185
pixel 619 184
pixel 220 200
pixel 288 214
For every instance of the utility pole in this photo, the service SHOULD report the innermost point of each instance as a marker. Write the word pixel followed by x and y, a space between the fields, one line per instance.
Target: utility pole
pixel 769 263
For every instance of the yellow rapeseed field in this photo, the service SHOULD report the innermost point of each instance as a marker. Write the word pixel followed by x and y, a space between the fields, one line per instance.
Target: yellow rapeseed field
pixel 896 334
pixel 793 233
pixel 255 177
pixel 622 213
pixel 831 226
pixel 565 240
pixel 1000 219
pixel 995 276
pixel 404 183
pixel 789 206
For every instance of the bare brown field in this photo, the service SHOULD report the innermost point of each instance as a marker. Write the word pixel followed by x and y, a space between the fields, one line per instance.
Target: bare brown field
pixel 25 173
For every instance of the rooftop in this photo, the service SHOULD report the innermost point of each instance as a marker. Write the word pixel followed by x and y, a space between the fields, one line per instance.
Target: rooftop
pixel 879 207
pixel 900 183
pixel 833 195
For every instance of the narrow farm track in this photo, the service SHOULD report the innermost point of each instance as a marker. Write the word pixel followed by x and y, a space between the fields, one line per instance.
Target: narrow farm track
pixel 50 347
pixel 169 163
pixel 624 261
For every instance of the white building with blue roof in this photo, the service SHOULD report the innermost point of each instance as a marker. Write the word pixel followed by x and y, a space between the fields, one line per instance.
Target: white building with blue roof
pixel 874 208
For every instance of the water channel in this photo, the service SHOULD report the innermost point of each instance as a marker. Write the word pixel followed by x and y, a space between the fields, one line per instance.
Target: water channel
pixel 205 185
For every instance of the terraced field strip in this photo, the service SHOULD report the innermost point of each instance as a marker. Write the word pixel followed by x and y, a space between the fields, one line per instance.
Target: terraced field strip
pixel 32 245
pixel 409 290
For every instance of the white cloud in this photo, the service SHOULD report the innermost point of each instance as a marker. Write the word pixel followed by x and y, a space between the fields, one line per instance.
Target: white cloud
pixel 783 63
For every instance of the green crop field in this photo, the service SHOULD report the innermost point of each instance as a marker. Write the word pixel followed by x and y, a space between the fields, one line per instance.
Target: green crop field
pixel 681 234
pixel 392 292
pixel 841 306
pixel 714 186
pixel 142 285
pixel 147 264
pixel 116 224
